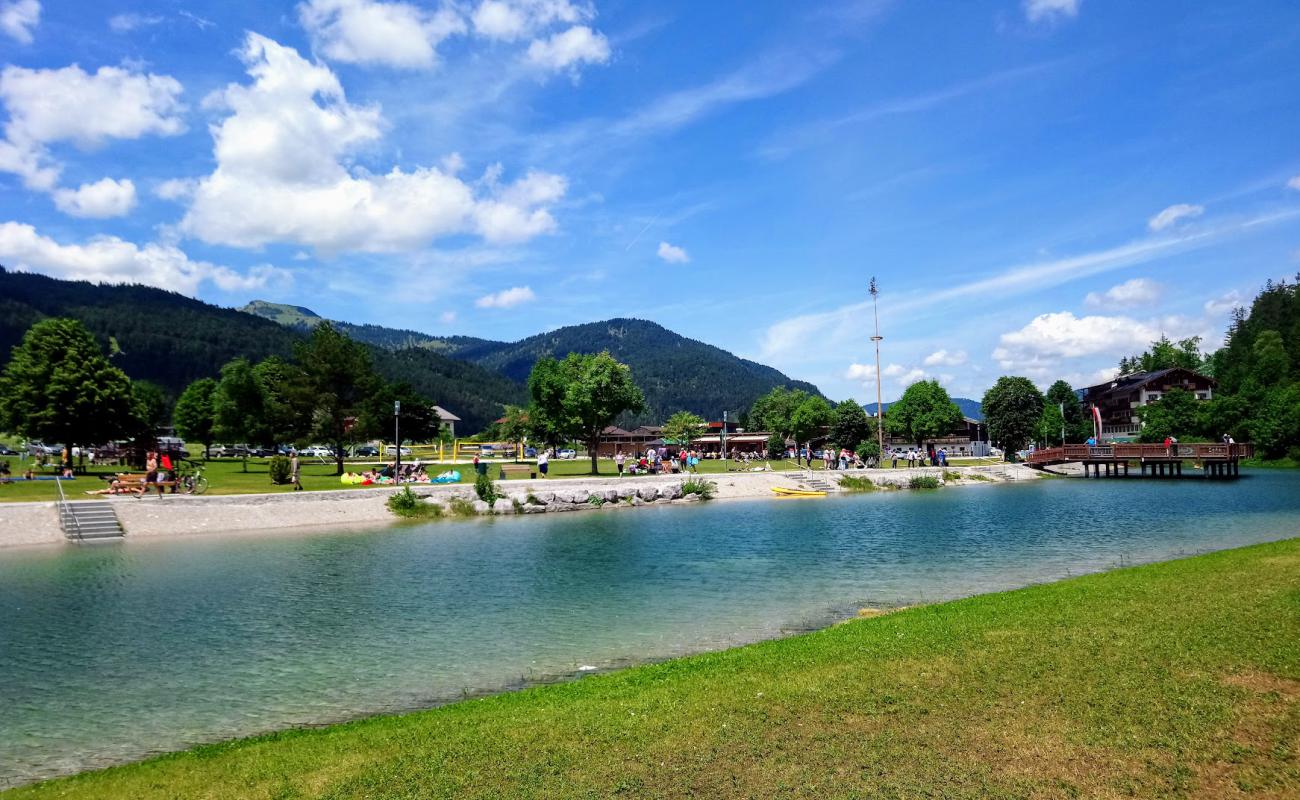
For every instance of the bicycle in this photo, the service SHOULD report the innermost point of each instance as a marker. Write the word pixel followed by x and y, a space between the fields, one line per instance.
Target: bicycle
pixel 192 481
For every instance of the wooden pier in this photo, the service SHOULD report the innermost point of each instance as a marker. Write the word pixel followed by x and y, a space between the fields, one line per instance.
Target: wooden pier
pixel 1152 460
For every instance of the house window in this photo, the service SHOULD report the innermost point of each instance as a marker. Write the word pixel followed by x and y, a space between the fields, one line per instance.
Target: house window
pixel 1200 396
pixel 1154 396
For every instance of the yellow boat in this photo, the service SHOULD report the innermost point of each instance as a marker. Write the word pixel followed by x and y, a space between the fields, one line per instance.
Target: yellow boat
pixel 785 492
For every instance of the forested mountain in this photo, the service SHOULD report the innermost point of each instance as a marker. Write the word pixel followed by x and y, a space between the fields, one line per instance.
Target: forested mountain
pixel 172 340
pixel 674 372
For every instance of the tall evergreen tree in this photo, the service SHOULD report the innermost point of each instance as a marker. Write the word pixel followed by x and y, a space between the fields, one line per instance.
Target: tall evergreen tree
pixel 60 388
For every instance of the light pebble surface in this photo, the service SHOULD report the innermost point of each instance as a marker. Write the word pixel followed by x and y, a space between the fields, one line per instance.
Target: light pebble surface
pixel 24 524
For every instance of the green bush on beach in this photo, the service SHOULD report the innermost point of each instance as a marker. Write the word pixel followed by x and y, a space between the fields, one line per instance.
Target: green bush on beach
pixel 853 483
pixel 923 482
pixel 278 468
pixel 407 503
pixel 699 486
pixel 1159 680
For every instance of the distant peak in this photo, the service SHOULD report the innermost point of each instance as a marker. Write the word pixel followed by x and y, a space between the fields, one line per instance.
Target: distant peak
pixel 282 313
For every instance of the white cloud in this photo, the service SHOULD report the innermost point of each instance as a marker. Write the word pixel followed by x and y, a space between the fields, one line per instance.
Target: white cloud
pixel 506 298
pixel 1173 214
pixel 1135 292
pixel 176 189
pixel 70 105
pixel 943 358
pixel 108 259
pixel 18 18
pixel 102 199
pixel 1061 335
pixel 281 174
pixel 447 317
pixel 673 254
pixel 125 23
pixel 1219 306
pixel 510 20
pixel 566 49
pixel 396 34
pixel 1294 183
pixel 1050 10
pixel 860 372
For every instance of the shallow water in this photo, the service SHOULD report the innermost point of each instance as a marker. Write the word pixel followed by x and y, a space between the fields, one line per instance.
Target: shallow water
pixel 114 652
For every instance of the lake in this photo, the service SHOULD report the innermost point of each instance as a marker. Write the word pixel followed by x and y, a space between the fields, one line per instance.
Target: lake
pixel 115 652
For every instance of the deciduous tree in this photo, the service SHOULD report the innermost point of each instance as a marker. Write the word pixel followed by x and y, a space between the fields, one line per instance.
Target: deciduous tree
pixel 810 418
pixel 340 378
pixel 850 425
pixel 581 396
pixel 925 411
pixel 1012 407
pixel 193 414
pixel 59 387
pixel 684 427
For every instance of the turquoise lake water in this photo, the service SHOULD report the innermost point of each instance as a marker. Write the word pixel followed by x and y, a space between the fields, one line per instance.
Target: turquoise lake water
pixel 115 652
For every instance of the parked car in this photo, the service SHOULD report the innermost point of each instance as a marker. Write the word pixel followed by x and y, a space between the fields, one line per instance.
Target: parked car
pixel 393 451
pixel 172 446
pixel 42 449
pixel 263 452
pixel 530 452
pixel 365 451
pixel 567 452
pixel 230 450
pixel 5 451
pixel 316 451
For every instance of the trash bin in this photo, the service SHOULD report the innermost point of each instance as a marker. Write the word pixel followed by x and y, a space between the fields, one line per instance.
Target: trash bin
pixel 481 468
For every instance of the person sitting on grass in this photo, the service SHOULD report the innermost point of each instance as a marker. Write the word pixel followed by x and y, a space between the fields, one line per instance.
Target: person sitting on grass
pixel 4 472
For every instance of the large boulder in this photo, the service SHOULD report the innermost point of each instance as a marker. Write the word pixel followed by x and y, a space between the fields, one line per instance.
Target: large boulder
pixel 690 498
pixel 481 507
pixel 610 495
pixel 503 505
pixel 544 498
pixel 534 509
pixel 625 492
pixel 647 493
pixel 671 491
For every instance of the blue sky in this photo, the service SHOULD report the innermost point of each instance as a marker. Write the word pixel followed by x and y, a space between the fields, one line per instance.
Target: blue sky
pixel 1040 186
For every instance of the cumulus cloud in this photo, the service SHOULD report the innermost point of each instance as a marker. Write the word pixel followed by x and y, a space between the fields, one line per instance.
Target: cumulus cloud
pixel 506 298
pixel 1219 306
pixel 108 259
pixel 944 358
pixel 1135 292
pixel 577 45
pixel 511 20
pixel 673 254
pixel 99 200
pixel 281 174
pixel 1040 346
pixel 18 18
pixel 70 105
pixel 860 372
pixel 125 23
pixel 1294 183
pixel 398 35
pixel 1173 214
pixel 1050 10
pixel 447 317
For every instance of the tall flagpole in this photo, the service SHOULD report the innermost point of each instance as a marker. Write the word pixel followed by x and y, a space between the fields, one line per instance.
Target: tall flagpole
pixel 880 420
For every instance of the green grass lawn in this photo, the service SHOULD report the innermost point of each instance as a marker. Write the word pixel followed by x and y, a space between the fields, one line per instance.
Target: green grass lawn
pixel 1179 679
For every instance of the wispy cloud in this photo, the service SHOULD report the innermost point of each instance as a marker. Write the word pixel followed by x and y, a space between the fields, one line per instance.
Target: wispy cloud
pixel 810 134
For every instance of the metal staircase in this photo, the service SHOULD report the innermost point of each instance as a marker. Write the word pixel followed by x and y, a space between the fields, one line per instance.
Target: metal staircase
pixel 818 484
pixel 88 520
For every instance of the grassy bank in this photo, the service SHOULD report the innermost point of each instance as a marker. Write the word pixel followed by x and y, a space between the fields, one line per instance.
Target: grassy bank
pixel 1175 679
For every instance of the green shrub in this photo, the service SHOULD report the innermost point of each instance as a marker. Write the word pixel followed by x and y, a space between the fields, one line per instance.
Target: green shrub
pixel 868 450
pixel 596 500
pixel 923 482
pixel 850 483
pixel 279 469
pixel 775 446
pixel 705 489
pixel 486 490
pixel 975 476
pixel 949 476
pixel 407 503
pixel 461 507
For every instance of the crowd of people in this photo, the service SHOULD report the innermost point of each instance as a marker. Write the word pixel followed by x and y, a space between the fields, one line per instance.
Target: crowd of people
pixel 662 460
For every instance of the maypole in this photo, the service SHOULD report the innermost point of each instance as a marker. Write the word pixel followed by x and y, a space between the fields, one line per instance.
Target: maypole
pixel 880 420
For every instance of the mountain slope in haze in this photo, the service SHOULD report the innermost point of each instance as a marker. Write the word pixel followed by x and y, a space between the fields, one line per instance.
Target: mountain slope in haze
pixel 171 340
pixel 305 319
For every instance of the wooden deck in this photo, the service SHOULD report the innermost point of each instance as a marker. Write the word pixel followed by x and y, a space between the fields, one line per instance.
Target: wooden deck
pixel 1217 460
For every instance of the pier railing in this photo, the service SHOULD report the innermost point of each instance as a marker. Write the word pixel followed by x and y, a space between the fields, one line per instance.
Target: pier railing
pixel 1204 451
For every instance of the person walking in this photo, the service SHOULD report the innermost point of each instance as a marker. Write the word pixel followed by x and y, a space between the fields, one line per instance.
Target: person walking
pixel 294 471
pixel 543 462
pixel 893 454
pixel 619 458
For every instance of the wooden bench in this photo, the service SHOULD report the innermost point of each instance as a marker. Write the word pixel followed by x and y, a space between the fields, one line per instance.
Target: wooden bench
pixel 518 469
pixel 133 483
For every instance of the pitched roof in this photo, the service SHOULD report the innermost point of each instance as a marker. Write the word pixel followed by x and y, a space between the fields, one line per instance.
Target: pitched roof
pixel 444 415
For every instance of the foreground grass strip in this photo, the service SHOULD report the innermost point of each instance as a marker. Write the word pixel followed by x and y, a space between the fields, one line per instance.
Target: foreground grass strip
pixel 1174 679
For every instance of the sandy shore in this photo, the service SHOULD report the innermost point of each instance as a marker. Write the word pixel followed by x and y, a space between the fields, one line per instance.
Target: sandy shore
pixel 26 524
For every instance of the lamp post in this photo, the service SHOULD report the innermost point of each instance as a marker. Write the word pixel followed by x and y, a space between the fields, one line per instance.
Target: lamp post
pixel 397 436
pixel 880 420
pixel 724 436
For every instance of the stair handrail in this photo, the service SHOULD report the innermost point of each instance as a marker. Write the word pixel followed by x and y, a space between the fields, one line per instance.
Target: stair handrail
pixel 65 510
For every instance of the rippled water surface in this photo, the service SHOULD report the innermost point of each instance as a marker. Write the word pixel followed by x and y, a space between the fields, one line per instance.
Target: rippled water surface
pixel 117 651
